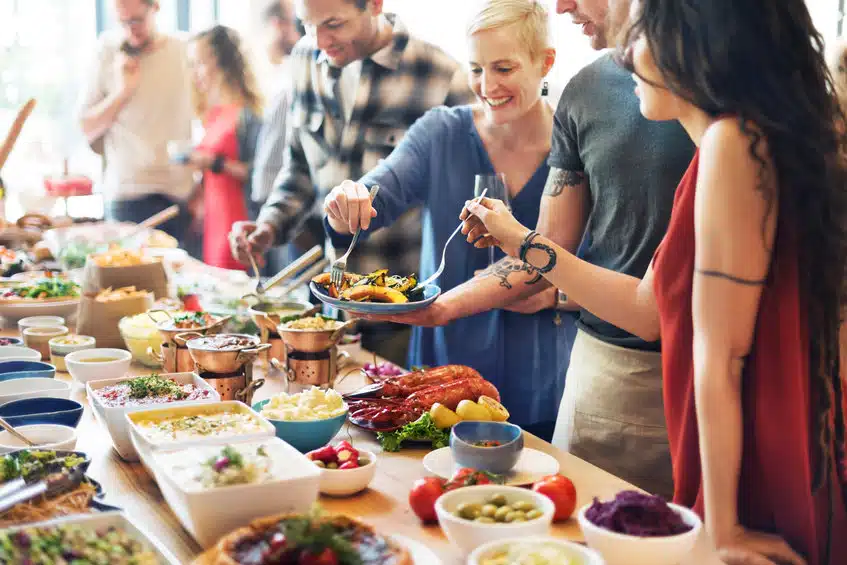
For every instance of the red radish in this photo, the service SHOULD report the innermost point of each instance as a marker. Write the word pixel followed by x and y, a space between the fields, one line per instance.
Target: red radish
pixel 346 455
pixel 326 454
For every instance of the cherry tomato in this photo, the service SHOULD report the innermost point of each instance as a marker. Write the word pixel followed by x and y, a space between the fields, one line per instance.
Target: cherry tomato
pixel 191 303
pixel 423 495
pixel 466 477
pixel 561 491
pixel 325 557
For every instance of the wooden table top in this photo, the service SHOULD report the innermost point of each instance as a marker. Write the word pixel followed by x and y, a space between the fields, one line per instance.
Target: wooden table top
pixel 384 504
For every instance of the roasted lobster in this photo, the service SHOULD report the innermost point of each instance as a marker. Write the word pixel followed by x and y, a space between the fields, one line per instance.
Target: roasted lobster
pixel 397 401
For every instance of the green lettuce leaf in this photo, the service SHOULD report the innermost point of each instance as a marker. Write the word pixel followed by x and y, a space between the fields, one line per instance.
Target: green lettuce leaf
pixel 422 429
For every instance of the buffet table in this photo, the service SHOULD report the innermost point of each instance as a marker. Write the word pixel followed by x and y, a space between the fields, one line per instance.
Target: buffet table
pixel 384 504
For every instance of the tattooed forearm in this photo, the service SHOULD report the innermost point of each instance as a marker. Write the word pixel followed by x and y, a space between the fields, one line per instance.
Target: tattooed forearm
pixel 732 278
pixel 558 180
pixel 502 270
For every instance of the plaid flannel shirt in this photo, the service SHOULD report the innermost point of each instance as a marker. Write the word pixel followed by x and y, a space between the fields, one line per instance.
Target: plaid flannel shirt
pixel 398 84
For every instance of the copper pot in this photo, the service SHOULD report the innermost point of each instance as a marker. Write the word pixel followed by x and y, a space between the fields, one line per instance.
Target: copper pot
pixel 174 359
pixel 168 334
pixel 267 314
pixel 313 341
pixel 219 361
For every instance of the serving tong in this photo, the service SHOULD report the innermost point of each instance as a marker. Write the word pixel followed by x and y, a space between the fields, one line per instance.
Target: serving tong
pixel 312 260
pixel 18 491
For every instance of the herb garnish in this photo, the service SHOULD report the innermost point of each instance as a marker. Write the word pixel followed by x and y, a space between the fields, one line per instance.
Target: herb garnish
pixel 154 385
pixel 315 533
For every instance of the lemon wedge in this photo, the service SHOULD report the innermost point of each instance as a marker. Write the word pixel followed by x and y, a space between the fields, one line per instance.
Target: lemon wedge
pixel 443 417
pixel 497 411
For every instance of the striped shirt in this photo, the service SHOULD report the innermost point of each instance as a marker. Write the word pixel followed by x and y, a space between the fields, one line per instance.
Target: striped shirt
pixel 396 86
pixel 271 145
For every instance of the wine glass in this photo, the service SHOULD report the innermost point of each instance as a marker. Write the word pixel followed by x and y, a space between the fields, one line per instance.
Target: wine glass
pixel 497 190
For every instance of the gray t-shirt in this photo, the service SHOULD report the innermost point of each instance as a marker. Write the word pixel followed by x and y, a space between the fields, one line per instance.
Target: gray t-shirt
pixel 633 167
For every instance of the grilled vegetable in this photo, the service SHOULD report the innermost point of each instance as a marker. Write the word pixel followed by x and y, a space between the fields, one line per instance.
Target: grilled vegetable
pixel 371 293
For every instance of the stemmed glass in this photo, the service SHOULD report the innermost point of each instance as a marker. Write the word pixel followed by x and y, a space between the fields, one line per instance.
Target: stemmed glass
pixel 497 190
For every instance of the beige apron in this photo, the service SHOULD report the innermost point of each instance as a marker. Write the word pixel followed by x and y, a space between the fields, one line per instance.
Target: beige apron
pixel 612 414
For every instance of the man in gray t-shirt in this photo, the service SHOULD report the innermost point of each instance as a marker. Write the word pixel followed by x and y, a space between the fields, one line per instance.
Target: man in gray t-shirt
pixel 632 167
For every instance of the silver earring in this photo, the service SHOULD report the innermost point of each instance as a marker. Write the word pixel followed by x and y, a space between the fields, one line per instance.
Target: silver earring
pixel 545 89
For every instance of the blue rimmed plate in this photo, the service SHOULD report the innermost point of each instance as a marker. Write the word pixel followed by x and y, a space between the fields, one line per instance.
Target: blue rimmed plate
pixel 431 292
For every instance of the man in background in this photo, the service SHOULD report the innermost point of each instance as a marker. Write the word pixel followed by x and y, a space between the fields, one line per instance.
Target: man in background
pixel 282 30
pixel 359 82
pixel 136 101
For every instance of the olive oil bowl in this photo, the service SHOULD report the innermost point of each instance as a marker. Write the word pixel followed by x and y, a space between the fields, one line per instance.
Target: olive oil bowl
pixel 97 364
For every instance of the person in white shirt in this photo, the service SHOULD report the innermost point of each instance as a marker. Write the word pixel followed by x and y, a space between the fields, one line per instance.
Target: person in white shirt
pixel 282 33
pixel 136 102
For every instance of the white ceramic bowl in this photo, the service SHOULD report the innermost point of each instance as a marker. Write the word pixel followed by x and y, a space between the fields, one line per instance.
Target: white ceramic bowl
pixel 59 348
pixel 346 482
pixel 114 418
pixel 467 535
pixel 16 389
pixel 622 549
pixel 580 554
pixel 18 353
pixel 45 436
pixel 40 321
pixel 102 521
pixel 83 372
pixel 145 445
pixel 294 488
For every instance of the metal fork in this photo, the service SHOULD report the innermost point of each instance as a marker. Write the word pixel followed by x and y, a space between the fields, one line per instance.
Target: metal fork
pixel 440 270
pixel 336 275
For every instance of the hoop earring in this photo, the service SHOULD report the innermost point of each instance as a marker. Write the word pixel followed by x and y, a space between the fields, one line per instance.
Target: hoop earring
pixel 545 89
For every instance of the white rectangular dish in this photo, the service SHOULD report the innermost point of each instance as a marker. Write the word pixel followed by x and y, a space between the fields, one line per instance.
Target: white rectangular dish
pixel 106 520
pixel 147 439
pixel 114 418
pixel 291 486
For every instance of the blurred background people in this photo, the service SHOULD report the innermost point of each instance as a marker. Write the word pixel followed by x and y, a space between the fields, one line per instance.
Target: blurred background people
pixel 136 101
pixel 228 101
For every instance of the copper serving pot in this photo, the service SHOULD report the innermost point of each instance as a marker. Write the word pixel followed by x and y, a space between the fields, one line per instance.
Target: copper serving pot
pixel 267 314
pixel 313 341
pixel 169 333
pixel 173 359
pixel 221 361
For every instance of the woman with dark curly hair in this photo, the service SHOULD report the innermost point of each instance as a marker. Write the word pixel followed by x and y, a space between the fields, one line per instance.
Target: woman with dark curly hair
pixel 227 100
pixel 747 288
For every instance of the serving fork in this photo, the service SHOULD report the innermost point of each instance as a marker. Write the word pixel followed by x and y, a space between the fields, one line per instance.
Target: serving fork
pixel 440 270
pixel 336 275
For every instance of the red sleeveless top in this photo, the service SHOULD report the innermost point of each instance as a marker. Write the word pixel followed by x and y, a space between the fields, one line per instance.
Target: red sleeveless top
pixel 224 199
pixel 774 490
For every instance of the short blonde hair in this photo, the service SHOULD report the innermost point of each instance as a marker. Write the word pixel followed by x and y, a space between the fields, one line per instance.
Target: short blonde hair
pixel 529 17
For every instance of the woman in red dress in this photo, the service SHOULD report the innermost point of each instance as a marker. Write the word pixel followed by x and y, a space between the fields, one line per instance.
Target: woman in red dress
pixel 228 102
pixel 746 290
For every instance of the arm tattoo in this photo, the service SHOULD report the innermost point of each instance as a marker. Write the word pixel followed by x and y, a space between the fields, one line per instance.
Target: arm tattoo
pixel 558 180
pixel 502 270
pixel 732 278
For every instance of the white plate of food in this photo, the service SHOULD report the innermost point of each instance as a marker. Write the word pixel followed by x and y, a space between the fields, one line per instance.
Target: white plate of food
pixel 532 466
pixel 87 531
pixel 40 297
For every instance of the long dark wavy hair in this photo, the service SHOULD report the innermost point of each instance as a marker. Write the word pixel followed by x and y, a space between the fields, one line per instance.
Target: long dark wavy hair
pixel 232 60
pixel 764 62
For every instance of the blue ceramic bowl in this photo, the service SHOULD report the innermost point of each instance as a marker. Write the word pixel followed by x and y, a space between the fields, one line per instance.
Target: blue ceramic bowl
pixel 4 341
pixel 305 436
pixel 26 369
pixel 42 411
pixel 500 459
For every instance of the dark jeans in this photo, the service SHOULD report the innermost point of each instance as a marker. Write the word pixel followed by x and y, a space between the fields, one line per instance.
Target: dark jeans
pixel 139 209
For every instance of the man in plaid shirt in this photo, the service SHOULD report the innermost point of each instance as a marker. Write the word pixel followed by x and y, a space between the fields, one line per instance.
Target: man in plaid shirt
pixel 359 81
